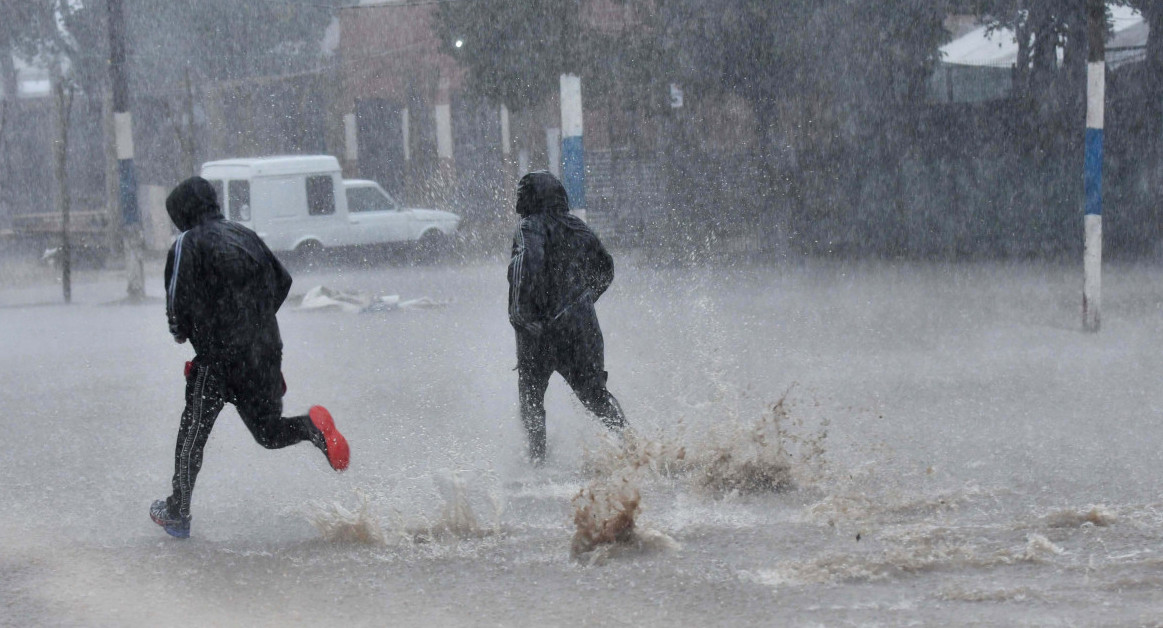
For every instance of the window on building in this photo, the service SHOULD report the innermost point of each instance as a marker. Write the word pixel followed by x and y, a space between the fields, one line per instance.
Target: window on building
pixel 239 200
pixel 320 195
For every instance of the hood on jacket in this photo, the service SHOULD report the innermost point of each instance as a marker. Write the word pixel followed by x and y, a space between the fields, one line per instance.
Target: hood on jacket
pixel 541 192
pixel 192 202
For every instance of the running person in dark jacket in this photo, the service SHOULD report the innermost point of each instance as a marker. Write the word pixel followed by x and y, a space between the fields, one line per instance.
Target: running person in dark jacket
pixel 557 271
pixel 223 288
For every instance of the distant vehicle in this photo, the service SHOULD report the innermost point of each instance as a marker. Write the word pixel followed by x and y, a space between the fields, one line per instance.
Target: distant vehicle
pixel 302 204
pixel 378 214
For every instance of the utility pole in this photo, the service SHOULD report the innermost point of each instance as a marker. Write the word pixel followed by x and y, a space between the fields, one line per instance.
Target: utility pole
pixel 507 178
pixel 446 160
pixel 573 160
pixel 123 140
pixel 63 99
pixel 1092 172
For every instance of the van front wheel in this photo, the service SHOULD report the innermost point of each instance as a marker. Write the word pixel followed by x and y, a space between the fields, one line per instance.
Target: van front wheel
pixel 430 247
pixel 309 253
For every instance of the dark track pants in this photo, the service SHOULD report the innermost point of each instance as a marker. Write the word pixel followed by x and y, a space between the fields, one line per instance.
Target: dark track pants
pixel 256 391
pixel 573 346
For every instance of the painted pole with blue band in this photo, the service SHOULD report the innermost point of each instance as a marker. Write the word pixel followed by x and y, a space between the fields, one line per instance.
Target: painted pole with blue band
pixel 573 159
pixel 1092 173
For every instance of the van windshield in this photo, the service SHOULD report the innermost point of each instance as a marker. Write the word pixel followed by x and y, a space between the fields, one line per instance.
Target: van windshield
pixel 368 199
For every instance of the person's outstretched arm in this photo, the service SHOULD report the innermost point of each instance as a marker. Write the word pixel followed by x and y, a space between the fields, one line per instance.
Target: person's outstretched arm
pixel 602 270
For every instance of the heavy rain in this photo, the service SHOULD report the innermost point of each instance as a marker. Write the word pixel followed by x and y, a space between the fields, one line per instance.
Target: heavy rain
pixel 847 310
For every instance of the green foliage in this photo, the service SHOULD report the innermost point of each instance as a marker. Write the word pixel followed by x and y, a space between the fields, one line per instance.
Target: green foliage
pixel 513 50
pixel 767 52
pixel 220 39
pixel 224 39
pixel 29 26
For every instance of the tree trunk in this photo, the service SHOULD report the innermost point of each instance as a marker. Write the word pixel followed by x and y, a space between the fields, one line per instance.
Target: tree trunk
pixel 9 84
pixel 1153 12
pixel 186 136
pixel 112 208
pixel 63 97
pixel 9 81
pixel 1073 83
pixel 1043 52
pixel 1022 64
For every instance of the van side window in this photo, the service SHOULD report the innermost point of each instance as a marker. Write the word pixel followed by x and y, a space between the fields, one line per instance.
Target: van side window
pixel 239 200
pixel 320 195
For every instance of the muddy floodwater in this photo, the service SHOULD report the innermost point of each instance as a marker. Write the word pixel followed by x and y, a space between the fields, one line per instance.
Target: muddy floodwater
pixel 813 444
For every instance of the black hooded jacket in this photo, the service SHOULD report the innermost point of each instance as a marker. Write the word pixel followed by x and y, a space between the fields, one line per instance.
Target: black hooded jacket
pixel 556 259
pixel 223 285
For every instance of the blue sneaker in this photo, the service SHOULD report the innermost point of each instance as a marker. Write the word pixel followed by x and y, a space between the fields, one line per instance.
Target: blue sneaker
pixel 175 526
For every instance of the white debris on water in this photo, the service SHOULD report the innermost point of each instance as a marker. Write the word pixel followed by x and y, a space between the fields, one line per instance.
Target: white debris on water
pixel 1039 548
pixel 323 298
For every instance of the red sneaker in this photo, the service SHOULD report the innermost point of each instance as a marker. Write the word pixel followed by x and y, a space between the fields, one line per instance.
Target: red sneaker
pixel 335 445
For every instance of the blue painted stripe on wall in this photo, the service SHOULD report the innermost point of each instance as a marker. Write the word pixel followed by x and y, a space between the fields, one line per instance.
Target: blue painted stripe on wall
pixel 573 170
pixel 127 192
pixel 1093 172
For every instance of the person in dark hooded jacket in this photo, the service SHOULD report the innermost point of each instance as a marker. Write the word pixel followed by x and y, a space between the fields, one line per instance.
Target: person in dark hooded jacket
pixel 557 271
pixel 223 288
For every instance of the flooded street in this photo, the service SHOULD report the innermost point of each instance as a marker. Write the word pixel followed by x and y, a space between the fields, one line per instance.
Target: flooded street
pixel 950 448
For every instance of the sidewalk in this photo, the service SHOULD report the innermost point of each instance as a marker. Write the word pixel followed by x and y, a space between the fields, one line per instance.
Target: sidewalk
pixel 24 284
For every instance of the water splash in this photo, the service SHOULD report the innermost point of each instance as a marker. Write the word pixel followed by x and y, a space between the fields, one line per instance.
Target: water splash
pixel 662 455
pixel 604 515
pixel 775 453
pixel 606 511
pixel 1098 515
pixel 457 519
pixel 339 525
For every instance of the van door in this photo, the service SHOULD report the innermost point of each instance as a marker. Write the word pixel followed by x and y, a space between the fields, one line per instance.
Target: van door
pixel 279 207
pixel 327 214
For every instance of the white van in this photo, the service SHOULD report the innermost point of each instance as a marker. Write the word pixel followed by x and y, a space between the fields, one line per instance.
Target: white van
pixel 302 204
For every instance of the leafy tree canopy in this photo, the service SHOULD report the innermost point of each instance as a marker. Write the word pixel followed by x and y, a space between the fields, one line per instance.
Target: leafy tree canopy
pixel 220 39
pixel 874 51
pixel 513 50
